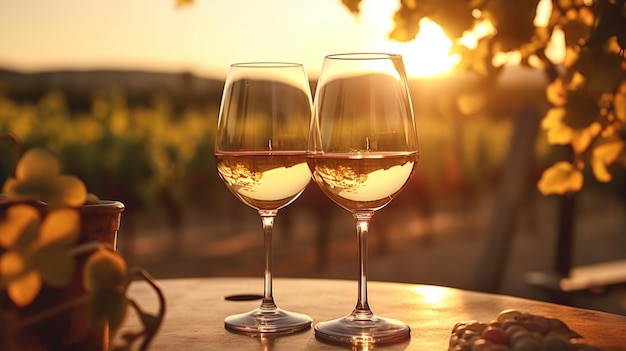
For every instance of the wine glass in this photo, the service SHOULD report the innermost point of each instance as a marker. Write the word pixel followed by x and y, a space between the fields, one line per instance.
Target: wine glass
pixel 260 152
pixel 362 150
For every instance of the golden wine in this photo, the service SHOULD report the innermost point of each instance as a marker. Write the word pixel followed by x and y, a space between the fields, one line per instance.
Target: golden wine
pixel 264 180
pixel 362 181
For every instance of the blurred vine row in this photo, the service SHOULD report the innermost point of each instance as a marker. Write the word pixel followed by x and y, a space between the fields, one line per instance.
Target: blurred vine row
pixel 145 155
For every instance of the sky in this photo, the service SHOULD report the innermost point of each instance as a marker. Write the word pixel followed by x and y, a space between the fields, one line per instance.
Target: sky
pixel 204 38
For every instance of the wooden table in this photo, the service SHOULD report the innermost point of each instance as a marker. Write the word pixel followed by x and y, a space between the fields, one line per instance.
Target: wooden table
pixel 196 309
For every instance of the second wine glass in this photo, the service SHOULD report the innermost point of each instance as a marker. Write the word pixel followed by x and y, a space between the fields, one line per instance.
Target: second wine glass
pixel 362 151
pixel 260 151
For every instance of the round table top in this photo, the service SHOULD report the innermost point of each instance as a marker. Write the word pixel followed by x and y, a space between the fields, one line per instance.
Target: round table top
pixel 196 308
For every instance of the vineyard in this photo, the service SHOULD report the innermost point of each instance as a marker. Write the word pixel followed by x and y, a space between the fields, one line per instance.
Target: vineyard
pixel 152 149
pixel 147 139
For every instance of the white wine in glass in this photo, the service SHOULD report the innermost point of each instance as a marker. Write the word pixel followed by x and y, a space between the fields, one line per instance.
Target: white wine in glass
pixel 362 151
pixel 260 151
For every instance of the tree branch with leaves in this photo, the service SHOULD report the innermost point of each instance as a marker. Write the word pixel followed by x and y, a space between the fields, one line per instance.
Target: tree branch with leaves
pixel 587 90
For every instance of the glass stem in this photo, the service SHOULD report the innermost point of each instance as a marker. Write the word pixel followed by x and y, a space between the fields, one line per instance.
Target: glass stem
pixel 267 218
pixel 362 309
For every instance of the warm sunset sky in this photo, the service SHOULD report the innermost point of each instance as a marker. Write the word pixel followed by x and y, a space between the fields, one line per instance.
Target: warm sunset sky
pixel 203 38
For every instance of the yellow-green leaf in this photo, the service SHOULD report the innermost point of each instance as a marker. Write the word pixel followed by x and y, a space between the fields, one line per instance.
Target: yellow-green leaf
pixel 12 265
pixel 560 178
pixel 558 133
pixel 604 155
pixel 38 177
pixel 8 186
pixel 583 137
pixel 104 278
pixel 619 102
pixel 556 93
pixel 553 117
pixel 60 226
pixel 104 271
pixel 25 289
pixel 70 191
pixel 56 265
pixel 107 306
pixel 37 164
pixel 19 227
pixel 26 189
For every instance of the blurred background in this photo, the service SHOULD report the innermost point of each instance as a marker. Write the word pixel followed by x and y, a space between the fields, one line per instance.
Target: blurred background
pixel 127 94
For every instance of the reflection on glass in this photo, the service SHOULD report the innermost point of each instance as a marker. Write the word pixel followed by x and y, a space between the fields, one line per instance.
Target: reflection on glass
pixel 362 151
pixel 260 151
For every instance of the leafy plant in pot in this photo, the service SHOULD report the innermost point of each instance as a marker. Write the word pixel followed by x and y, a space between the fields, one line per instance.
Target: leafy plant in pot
pixel 62 283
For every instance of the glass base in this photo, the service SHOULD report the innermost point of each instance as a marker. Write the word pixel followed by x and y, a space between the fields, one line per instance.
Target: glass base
pixel 261 321
pixel 354 330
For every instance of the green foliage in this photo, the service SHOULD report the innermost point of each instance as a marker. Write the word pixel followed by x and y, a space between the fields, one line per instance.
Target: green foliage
pixel 105 276
pixel 37 247
pixel 130 153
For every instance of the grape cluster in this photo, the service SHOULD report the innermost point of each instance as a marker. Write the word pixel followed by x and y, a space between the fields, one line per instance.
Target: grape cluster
pixel 513 330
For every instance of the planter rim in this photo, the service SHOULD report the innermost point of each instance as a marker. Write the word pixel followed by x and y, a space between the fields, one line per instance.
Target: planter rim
pixel 112 206
pixel 103 206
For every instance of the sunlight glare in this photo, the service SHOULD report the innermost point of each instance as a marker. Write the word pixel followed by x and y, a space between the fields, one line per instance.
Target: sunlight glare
pixel 426 55
pixel 429 53
pixel 431 294
pixel 506 58
pixel 482 29
pixel 555 50
pixel 544 11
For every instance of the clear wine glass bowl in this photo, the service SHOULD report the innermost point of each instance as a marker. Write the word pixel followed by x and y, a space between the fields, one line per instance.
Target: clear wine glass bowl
pixel 260 151
pixel 362 151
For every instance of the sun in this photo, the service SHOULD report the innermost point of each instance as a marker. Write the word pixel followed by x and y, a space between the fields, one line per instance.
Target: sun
pixel 426 55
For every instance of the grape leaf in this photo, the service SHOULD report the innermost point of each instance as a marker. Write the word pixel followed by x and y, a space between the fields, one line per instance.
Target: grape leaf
pixel 575 31
pixel 37 163
pixel 38 177
pixel 556 93
pixel 352 5
pixel 602 156
pixel 619 102
pixel 558 133
pixel 602 70
pixel 513 20
pixel 181 3
pixel 106 306
pixel 581 110
pixel 560 178
pixel 39 252
pixel 56 265
pixel 25 289
pixel 454 16
pixel 477 60
pixel 406 24
pixel 60 226
pixel 611 22
pixel 11 265
pixel 104 277
pixel 19 227
pixel 582 138
pixel 104 270
pixel 69 191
